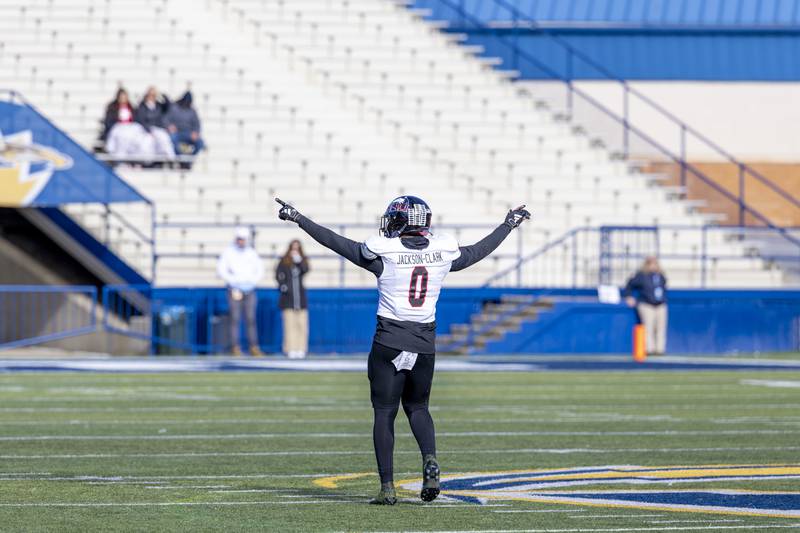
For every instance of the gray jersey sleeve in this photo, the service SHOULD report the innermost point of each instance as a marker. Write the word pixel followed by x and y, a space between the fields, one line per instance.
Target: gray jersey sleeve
pixel 349 249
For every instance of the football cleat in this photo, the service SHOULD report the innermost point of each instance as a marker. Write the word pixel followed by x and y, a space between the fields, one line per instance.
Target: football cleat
pixel 430 479
pixel 406 215
pixel 387 495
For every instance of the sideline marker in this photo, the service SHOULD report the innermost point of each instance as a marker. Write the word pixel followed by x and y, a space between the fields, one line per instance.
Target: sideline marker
pixel 639 351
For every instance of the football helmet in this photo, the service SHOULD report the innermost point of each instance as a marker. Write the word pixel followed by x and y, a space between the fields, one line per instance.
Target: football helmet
pixel 406 215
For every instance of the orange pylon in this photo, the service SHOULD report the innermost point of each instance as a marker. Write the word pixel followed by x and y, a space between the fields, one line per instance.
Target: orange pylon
pixel 639 349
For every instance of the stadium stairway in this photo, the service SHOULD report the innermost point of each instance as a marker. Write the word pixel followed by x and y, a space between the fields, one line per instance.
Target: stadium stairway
pixel 337 106
pixel 492 323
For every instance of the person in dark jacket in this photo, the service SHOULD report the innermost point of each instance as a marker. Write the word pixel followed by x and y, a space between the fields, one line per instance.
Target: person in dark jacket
pixel 118 110
pixel 183 125
pixel 122 135
pixel 150 114
pixel 651 286
pixel 293 300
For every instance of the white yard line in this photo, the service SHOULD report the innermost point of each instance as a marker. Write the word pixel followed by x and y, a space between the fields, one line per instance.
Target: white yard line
pixel 587 419
pixel 158 478
pixel 620 516
pixel 364 407
pixel 182 487
pixel 780 384
pixel 712 521
pixel 252 490
pixel 171 504
pixel 328 435
pixel 545 451
pixel 293 422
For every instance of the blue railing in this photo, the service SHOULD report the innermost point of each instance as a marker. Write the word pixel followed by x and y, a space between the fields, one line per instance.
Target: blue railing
pixel 633 139
pixel 137 312
pixel 590 256
pixel 33 314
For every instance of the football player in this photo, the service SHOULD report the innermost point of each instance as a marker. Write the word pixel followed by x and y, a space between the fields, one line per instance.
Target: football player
pixel 410 263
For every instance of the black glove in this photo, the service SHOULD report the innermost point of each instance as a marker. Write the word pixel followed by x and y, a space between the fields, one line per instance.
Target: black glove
pixel 515 217
pixel 287 212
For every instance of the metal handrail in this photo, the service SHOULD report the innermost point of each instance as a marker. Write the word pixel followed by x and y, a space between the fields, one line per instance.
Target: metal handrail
pixel 703 256
pixel 52 326
pixel 533 255
pixel 689 167
pixel 685 128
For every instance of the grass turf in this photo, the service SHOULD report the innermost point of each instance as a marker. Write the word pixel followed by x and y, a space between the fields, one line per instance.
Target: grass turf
pixel 241 451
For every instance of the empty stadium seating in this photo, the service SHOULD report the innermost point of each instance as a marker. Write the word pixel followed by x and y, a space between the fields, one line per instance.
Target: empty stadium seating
pixel 337 106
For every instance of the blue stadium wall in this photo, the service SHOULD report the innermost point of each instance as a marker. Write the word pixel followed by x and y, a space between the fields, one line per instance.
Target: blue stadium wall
pixel 700 321
pixel 720 40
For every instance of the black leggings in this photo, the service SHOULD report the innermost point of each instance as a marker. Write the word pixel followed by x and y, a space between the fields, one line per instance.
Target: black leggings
pixel 387 388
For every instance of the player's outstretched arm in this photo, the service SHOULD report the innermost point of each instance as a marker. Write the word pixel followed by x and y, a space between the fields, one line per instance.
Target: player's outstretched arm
pixel 347 248
pixel 472 254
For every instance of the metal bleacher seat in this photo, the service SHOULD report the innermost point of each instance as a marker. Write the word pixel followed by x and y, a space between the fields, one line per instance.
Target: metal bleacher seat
pixel 337 105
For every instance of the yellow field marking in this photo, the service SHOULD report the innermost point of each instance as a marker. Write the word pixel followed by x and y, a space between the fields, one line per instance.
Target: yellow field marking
pixel 658 473
pixel 331 482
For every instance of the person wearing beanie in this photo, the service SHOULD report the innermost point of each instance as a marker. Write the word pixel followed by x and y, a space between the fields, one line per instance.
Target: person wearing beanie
pixel 183 125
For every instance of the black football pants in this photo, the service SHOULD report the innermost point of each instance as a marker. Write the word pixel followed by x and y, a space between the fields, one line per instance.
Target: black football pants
pixel 388 387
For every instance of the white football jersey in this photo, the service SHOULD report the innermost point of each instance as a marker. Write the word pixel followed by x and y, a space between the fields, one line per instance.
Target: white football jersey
pixel 412 279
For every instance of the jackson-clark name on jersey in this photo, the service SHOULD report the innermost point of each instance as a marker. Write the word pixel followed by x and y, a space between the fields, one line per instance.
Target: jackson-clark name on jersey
pixel 418 259
pixel 411 280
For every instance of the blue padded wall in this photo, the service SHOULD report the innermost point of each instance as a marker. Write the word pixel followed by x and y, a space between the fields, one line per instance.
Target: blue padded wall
pixel 700 321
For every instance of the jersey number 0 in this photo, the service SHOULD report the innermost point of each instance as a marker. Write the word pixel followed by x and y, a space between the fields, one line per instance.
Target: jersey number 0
pixel 418 286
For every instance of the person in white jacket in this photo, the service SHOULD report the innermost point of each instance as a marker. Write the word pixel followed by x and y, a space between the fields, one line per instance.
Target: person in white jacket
pixel 241 268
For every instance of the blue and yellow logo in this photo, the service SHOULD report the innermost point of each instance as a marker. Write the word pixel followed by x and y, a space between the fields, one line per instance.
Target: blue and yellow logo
pixel 26 168
pixel 560 487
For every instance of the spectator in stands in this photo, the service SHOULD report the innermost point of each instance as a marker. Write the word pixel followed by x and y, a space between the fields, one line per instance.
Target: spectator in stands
pixel 651 286
pixel 241 269
pixel 150 114
pixel 183 125
pixel 293 300
pixel 121 134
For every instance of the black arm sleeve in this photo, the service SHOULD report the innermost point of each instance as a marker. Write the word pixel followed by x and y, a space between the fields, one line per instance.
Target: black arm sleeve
pixel 349 249
pixel 472 254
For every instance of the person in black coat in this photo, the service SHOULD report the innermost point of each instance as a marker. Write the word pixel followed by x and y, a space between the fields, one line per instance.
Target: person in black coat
pixel 293 300
pixel 118 110
pixel 151 115
pixel 650 284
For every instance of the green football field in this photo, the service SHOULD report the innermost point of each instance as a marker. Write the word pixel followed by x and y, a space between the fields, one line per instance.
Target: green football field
pixel 292 451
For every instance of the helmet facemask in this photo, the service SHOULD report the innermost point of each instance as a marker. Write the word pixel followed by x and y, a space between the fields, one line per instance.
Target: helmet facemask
pixel 405 215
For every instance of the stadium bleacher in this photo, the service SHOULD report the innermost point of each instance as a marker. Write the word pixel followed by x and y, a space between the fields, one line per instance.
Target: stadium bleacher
pixel 564 382
pixel 339 106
